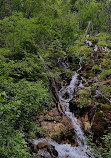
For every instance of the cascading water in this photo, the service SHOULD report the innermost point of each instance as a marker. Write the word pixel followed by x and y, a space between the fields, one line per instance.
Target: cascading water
pixel 66 150
pixel 69 91
pixel 80 64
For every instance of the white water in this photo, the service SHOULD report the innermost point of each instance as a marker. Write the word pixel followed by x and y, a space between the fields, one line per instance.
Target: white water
pixel 81 85
pixel 65 150
pixel 69 91
pixel 80 64
pixel 65 65
pixel 88 42
pixel 66 94
pixel 96 48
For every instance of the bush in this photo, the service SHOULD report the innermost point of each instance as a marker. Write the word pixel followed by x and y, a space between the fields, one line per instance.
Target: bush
pixel 13 145
pixel 83 98
pixel 95 69
pixel 106 151
pixel 19 101
pixel 105 74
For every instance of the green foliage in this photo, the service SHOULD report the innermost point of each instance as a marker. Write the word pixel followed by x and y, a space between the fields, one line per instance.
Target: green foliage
pixel 95 69
pixel 94 151
pixel 107 63
pixel 13 145
pixel 105 74
pixel 56 136
pixel 106 151
pixel 18 102
pixel 83 98
pixel 106 89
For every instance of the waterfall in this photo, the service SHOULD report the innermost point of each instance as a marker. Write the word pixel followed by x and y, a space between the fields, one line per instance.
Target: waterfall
pixel 69 92
pixel 66 150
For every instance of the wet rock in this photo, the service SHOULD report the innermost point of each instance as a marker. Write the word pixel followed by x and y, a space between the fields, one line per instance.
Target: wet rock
pixel 42 145
pixel 43 154
pixel 35 148
pixel 73 106
pixel 45 150
pixel 52 151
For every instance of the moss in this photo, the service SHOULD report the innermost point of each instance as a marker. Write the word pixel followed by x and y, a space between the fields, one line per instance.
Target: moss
pixel 94 88
pixel 95 68
pixel 106 108
pixel 100 123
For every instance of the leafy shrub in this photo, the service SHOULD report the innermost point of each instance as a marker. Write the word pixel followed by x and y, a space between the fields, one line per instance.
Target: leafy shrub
pixel 13 145
pixel 19 101
pixel 95 69
pixel 105 74
pixel 83 98
pixel 107 63
pixel 106 151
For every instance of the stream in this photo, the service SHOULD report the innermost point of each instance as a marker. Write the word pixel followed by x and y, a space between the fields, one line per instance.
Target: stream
pixel 66 150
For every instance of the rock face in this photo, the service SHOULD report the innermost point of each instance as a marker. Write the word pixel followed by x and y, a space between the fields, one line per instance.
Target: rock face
pixel 57 127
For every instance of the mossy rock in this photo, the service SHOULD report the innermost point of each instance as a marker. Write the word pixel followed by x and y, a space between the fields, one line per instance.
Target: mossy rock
pixel 101 99
pixel 99 55
pixel 106 108
pixel 102 121
pixel 100 124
